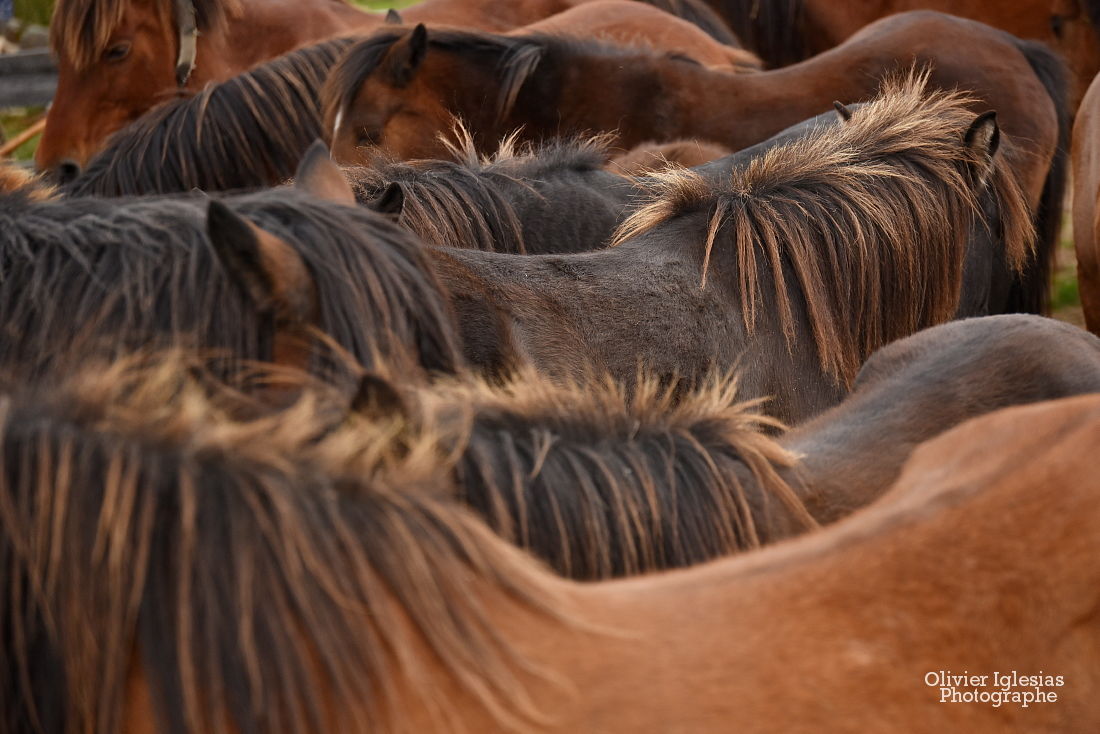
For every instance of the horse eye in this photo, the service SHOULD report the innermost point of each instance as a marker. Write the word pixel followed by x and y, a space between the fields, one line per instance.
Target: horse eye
pixel 366 139
pixel 117 52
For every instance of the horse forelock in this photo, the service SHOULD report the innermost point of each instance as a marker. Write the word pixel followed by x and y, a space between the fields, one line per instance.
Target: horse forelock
pixel 858 204
pixel 124 491
pixel 80 30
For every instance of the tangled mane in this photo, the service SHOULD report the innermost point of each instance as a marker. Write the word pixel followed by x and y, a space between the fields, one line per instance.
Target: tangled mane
pixel 872 217
pixel 246 569
pixel 17 182
pixel 602 483
pixel 80 276
pixel 774 29
pixel 246 132
pixel 467 202
pixel 81 29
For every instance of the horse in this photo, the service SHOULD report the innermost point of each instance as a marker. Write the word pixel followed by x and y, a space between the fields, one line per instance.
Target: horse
pixel 195 271
pixel 118 58
pixel 761 271
pixel 651 156
pixel 169 570
pixel 432 78
pixel 784 32
pixel 251 130
pixel 553 198
pixel 1086 214
pixel 601 484
pixel 248 132
pixel 630 23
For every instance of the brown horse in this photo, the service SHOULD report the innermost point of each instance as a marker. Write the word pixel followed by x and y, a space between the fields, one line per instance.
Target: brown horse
pixel 786 31
pixel 170 571
pixel 598 483
pixel 1086 213
pixel 538 85
pixel 759 270
pixel 626 22
pixel 119 58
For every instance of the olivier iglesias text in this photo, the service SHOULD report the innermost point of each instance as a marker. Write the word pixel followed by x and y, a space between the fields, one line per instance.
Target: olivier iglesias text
pixel 995 689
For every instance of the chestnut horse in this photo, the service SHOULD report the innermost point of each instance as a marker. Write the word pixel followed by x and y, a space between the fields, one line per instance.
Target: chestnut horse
pixel 246 132
pixel 1086 213
pixel 170 571
pixel 252 129
pixel 538 85
pixel 760 271
pixel 119 58
pixel 786 31
pixel 600 484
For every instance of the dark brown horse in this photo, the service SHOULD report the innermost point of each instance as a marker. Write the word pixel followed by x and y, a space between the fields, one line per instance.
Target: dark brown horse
pixel 786 31
pixel 554 198
pixel 119 58
pixel 189 271
pixel 600 484
pixel 1086 196
pixel 170 571
pixel 534 82
pixel 796 268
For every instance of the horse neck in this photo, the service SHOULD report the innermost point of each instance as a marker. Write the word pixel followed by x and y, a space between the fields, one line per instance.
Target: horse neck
pixel 689 650
pixel 685 100
pixel 265 30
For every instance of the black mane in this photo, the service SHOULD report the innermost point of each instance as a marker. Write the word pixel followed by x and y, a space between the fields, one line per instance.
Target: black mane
pixel 246 132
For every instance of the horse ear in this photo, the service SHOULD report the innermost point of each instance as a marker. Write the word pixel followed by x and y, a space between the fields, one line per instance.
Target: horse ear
pixel 391 201
pixel 267 269
pixel 844 112
pixel 318 175
pixel 984 138
pixel 984 134
pixel 406 55
pixel 377 398
pixel 393 17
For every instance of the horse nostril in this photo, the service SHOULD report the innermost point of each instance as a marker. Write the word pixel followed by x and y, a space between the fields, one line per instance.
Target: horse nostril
pixel 67 171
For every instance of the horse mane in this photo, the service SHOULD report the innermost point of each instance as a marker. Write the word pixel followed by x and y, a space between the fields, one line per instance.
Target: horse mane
pixel 600 483
pixel 254 574
pixel 246 132
pixel 1031 289
pixel 143 272
pixel 854 210
pixel 774 29
pixel 464 203
pixel 1092 8
pixel 81 29
pixel 701 15
pixel 18 182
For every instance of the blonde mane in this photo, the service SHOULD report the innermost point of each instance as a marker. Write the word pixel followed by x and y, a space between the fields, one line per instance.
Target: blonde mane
pixel 870 215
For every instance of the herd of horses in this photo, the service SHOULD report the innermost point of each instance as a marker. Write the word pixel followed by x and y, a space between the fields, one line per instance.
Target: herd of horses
pixel 550 366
